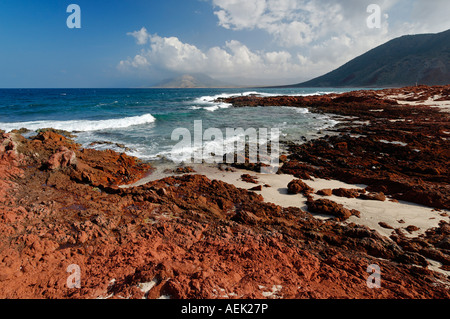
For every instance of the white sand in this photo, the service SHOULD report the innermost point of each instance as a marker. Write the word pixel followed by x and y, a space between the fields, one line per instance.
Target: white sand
pixel 443 105
pixel 372 212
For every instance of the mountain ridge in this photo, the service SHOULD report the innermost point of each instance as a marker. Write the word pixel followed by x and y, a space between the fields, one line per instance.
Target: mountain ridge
pixel 192 80
pixel 404 61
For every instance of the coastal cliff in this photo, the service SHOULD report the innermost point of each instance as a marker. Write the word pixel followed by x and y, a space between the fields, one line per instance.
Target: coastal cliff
pixel 408 60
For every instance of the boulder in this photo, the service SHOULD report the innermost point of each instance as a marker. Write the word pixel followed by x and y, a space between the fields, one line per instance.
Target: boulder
pixel 61 159
pixel 297 186
pixel 328 207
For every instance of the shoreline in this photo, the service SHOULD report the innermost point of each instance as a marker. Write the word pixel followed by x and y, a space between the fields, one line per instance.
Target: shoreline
pixel 200 234
pixel 392 210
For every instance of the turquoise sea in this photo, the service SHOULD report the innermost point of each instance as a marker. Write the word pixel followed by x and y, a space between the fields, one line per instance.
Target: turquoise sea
pixel 143 119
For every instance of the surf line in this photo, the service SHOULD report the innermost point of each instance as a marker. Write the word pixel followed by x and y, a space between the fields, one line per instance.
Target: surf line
pixel 233 146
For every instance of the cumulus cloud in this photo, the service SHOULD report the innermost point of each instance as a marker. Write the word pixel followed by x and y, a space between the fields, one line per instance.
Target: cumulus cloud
pixel 234 58
pixel 141 36
pixel 298 23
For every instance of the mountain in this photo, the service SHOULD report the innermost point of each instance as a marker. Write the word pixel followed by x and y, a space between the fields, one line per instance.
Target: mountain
pixel 404 61
pixel 197 80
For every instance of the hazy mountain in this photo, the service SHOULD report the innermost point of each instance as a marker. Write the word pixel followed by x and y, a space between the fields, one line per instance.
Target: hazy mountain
pixel 404 61
pixel 192 81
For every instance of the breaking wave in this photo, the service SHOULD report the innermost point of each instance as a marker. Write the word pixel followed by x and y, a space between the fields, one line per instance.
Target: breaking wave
pixel 81 125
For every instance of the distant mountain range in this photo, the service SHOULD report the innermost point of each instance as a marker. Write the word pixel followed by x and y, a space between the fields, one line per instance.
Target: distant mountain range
pixel 404 61
pixel 196 80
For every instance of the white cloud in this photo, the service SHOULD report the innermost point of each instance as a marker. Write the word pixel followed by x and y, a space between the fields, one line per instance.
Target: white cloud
pixel 324 33
pixel 312 37
pixel 231 60
pixel 301 22
pixel 141 36
pixel 239 15
pixel 174 54
pixel 298 23
pixel 431 16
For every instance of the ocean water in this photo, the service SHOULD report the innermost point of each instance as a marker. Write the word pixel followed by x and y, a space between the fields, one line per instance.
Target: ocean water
pixel 143 119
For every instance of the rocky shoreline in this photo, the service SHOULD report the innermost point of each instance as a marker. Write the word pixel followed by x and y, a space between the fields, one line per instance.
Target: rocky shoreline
pixel 401 150
pixel 187 236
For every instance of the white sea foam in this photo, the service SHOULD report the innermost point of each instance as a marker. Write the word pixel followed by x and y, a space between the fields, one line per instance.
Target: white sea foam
pixel 302 110
pixel 210 103
pixel 81 125
pixel 209 150
pixel 211 98
pixel 217 106
pixel 329 124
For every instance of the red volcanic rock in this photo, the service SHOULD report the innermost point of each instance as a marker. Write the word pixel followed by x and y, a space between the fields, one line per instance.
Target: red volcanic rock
pixel 256 188
pixel 385 225
pixel 436 254
pixel 345 192
pixel 108 168
pixel 342 146
pixel 297 186
pixel 249 178
pixel 297 169
pixel 184 170
pixel 50 136
pixel 246 218
pixel 373 196
pixel 62 158
pixel 412 228
pixel 325 192
pixel 328 207
pixel 283 158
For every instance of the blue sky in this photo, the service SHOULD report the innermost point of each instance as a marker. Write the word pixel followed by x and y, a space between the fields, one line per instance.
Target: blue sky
pixel 134 43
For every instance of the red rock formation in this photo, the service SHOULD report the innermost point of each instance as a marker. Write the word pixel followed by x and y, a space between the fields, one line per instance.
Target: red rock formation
pixel 385 225
pixel 249 178
pixel 344 192
pixel 184 170
pixel 325 192
pixel 373 196
pixel 61 159
pixel 297 186
pixel 328 207
pixel 256 188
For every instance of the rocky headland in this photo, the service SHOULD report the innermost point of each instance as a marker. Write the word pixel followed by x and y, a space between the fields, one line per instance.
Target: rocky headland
pixel 187 236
